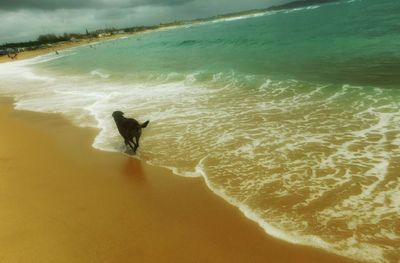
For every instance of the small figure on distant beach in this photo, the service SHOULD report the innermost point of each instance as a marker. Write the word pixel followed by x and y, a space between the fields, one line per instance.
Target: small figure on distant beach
pixel 129 128
pixel 57 52
pixel 12 56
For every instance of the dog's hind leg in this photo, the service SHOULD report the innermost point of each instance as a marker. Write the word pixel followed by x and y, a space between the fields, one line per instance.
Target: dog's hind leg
pixel 130 145
pixel 137 142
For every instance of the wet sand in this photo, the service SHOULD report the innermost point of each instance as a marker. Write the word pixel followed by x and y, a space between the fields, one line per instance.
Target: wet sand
pixel 63 201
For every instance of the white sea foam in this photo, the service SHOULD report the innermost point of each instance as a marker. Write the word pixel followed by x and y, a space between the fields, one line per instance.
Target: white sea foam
pixel 99 73
pixel 301 9
pixel 240 17
pixel 306 162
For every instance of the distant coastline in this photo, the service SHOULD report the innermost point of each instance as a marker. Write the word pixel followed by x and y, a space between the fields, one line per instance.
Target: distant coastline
pixel 52 43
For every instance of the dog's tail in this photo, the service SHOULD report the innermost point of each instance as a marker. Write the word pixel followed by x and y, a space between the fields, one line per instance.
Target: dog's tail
pixel 144 124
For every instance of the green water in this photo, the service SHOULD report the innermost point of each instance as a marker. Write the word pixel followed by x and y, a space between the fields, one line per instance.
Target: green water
pixel 346 43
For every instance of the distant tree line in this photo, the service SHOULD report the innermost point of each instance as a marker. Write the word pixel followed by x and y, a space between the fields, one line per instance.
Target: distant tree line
pixel 53 38
pixel 43 40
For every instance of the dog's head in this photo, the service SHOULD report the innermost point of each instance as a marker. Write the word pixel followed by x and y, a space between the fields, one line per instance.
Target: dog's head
pixel 117 114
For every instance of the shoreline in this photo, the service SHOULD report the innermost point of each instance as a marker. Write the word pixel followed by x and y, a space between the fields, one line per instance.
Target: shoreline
pixel 72 44
pixel 58 47
pixel 64 200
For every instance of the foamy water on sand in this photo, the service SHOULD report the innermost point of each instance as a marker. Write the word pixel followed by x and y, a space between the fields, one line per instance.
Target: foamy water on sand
pixel 312 159
pixel 313 165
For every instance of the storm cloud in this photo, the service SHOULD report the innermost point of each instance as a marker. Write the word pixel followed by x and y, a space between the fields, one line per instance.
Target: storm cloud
pixel 79 4
pixel 23 20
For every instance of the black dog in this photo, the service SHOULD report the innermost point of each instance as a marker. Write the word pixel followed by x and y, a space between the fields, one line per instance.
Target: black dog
pixel 129 128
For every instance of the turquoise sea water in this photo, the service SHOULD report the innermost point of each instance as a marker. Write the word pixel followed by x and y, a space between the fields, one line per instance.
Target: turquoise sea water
pixel 292 116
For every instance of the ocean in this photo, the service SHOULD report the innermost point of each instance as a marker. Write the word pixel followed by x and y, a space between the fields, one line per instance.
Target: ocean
pixel 291 116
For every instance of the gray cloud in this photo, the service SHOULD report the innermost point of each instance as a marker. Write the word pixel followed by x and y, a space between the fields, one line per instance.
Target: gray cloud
pixel 79 4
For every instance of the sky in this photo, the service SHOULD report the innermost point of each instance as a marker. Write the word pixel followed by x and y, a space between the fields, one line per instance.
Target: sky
pixel 23 20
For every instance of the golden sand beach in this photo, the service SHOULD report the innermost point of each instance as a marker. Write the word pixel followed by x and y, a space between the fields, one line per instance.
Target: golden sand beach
pixel 63 201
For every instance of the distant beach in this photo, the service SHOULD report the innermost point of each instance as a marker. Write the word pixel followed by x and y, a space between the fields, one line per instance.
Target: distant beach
pixel 58 47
